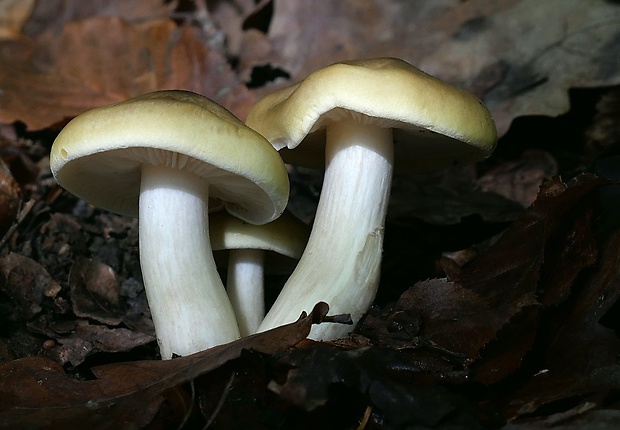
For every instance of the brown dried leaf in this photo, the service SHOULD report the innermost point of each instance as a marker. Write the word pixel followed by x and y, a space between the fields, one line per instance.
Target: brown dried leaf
pixel 13 14
pixel 59 76
pixel 440 206
pixel 489 311
pixel 581 359
pixel 519 56
pixel 604 132
pixel 10 198
pixel 515 260
pixel 111 339
pixel 230 17
pixel 455 318
pixel 28 285
pixel 519 277
pixel 95 292
pixel 87 339
pixel 388 380
pixel 36 393
pixel 20 163
pixel 519 180
pixel 53 16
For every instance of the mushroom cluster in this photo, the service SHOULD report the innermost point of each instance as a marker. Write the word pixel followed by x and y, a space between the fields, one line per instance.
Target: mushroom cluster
pixel 168 157
pixel 163 157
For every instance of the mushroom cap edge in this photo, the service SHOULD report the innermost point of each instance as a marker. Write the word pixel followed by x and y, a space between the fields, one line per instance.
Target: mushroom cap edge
pixel 97 156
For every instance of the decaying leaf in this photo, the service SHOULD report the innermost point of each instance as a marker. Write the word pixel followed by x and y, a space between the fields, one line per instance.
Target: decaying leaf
pixel 85 339
pixel 522 299
pixel 53 16
pixel 95 292
pixel 519 56
pixel 28 285
pixel 10 198
pixel 456 318
pixel 36 393
pixel 387 379
pixel 555 210
pixel 519 180
pixel 20 160
pixel 13 14
pixel 580 362
pixel 517 276
pixel 58 76
pixel 484 316
pixel 604 132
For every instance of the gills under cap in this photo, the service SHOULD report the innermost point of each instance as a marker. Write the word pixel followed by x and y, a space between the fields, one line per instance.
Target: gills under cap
pixel 98 156
pixel 434 124
pixel 283 240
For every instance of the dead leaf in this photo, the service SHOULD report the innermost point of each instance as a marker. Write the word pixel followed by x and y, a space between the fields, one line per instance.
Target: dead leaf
pixel 20 160
pixel 36 392
pixel 53 16
pixel 230 19
pixel 456 318
pixel 520 179
pixel 579 418
pixel 13 14
pixel 517 276
pixel 440 206
pixel 95 292
pixel 470 44
pixel 59 76
pixel 580 361
pixel 484 317
pixel 604 131
pixel 389 380
pixel 524 243
pixel 28 285
pixel 10 198
pixel 519 56
pixel 86 339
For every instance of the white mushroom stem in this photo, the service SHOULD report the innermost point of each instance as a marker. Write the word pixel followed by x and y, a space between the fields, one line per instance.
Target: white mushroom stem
pixel 245 285
pixel 341 262
pixel 190 309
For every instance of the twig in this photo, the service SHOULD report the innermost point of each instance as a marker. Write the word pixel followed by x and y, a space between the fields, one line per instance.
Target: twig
pixel 221 402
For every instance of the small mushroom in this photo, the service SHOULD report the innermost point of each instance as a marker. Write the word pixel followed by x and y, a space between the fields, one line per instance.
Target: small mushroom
pixel 361 120
pixel 161 157
pixel 252 252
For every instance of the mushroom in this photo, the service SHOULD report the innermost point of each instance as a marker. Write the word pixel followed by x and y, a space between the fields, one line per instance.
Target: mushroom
pixel 161 157
pixel 251 252
pixel 357 118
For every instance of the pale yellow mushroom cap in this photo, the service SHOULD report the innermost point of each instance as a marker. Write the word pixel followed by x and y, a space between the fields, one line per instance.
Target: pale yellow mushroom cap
pixel 435 124
pixel 99 154
pixel 285 238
